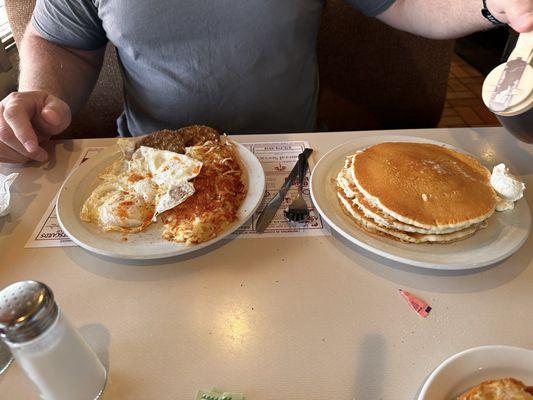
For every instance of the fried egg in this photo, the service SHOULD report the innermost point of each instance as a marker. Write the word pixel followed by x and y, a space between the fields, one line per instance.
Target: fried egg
pixel 134 192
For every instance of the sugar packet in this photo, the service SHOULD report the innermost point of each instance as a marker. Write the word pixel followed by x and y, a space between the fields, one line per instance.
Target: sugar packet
pixel 217 394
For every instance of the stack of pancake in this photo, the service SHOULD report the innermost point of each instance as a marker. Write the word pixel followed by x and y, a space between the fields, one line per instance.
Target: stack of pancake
pixel 416 192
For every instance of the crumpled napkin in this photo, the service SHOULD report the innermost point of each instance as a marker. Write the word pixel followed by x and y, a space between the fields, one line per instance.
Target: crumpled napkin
pixel 5 193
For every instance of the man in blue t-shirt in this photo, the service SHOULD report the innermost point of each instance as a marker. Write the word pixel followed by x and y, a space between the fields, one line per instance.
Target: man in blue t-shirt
pixel 241 66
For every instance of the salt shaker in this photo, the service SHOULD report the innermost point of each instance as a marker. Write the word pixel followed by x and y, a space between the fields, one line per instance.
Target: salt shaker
pixel 46 346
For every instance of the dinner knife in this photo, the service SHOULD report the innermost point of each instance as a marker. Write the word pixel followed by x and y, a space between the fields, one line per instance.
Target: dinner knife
pixel 272 207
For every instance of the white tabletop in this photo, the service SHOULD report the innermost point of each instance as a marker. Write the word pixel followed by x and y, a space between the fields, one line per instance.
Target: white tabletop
pixel 303 318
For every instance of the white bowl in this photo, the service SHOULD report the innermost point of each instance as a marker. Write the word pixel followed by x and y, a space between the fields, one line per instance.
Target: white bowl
pixel 469 368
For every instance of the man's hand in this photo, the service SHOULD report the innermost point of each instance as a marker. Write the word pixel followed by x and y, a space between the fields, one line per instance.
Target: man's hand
pixel 517 13
pixel 28 119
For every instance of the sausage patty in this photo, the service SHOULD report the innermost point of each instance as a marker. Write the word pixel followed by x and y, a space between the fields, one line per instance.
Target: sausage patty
pixel 176 141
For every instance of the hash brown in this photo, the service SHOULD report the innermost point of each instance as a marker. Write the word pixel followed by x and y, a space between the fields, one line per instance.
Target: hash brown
pixel 219 192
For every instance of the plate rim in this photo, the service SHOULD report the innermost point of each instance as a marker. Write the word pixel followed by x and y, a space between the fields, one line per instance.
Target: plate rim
pixel 109 152
pixel 451 266
pixel 438 370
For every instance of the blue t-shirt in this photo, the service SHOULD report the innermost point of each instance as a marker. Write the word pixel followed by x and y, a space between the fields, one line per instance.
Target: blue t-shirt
pixel 241 66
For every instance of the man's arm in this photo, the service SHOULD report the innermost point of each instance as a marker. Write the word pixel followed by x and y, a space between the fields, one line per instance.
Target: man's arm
pixel 449 19
pixel 68 74
pixel 54 82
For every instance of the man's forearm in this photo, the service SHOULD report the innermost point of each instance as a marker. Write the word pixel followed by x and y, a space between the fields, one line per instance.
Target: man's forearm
pixel 436 19
pixel 66 73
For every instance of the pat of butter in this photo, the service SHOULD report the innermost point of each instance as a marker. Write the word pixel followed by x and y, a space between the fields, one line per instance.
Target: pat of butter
pixel 507 186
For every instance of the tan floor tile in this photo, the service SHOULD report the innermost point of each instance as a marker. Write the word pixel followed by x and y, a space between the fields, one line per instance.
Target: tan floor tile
pixel 451 122
pixel 475 88
pixel 449 112
pixel 472 79
pixel 472 102
pixel 456 85
pixel 488 117
pixel 464 106
pixel 469 116
pixel 460 95
pixel 458 60
pixel 459 72
pixel 471 71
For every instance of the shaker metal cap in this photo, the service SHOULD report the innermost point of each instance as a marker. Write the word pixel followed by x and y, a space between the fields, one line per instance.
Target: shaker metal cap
pixel 27 309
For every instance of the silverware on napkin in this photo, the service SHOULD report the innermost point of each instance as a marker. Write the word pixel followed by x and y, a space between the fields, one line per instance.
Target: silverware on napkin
pixel 272 207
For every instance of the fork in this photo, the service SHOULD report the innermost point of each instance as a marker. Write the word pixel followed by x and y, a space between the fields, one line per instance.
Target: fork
pixel 297 210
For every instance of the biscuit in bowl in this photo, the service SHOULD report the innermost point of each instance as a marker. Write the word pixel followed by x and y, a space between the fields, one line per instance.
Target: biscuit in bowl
pixel 499 389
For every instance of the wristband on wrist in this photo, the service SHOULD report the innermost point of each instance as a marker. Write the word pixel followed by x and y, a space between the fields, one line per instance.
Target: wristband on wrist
pixel 488 15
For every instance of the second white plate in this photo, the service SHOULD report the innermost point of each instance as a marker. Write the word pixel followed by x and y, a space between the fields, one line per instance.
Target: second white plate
pixel 506 232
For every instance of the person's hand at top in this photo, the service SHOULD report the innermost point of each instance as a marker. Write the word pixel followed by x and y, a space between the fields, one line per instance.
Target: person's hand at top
pixel 28 119
pixel 517 13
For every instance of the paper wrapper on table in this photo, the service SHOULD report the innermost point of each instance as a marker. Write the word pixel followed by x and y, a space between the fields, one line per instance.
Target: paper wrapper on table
pixel 5 193
pixel 419 305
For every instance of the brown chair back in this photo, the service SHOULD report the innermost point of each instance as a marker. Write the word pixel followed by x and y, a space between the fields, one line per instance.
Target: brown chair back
pixel 375 77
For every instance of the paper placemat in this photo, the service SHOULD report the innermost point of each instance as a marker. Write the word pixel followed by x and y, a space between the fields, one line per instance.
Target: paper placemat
pixel 277 159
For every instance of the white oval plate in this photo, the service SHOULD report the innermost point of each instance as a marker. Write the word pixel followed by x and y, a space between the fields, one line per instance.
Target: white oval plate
pixel 146 245
pixel 469 368
pixel 506 232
